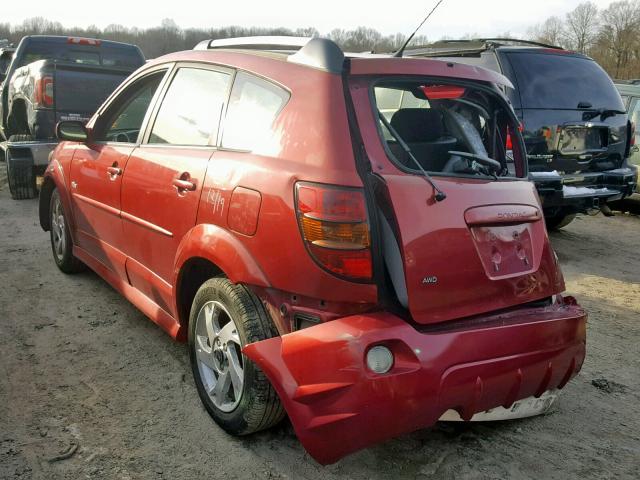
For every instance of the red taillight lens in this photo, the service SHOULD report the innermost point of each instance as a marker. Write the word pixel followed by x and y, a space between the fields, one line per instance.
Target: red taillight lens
pixel 334 225
pixel 43 92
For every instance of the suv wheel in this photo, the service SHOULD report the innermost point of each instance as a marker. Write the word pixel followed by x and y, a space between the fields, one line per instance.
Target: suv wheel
pixel 559 221
pixel 224 318
pixel 61 243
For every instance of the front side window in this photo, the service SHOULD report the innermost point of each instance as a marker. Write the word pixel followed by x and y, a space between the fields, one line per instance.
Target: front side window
pixel 122 120
pixel 191 109
pixel 447 129
pixel 253 106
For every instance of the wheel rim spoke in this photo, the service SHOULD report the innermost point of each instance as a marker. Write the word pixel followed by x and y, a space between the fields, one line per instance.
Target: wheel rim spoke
pixel 229 333
pixel 221 388
pixel 236 372
pixel 205 357
pixel 217 352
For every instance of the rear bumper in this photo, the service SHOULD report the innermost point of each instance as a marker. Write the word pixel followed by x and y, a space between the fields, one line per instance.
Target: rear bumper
pixel 338 406
pixel 584 191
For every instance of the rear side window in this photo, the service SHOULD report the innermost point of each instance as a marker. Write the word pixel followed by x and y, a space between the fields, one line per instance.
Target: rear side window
pixel 561 81
pixel 191 109
pixel 253 106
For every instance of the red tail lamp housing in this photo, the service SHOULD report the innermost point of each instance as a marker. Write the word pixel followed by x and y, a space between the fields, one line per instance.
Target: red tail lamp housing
pixel 335 228
pixel 43 92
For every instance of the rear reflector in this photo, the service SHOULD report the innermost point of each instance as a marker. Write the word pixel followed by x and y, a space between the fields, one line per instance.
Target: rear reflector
pixel 334 225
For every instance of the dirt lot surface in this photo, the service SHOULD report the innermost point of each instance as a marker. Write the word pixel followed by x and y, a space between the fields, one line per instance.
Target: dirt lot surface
pixel 84 375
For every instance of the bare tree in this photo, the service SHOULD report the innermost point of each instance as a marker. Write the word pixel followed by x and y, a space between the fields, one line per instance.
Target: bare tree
pixel 551 31
pixel 619 34
pixel 582 27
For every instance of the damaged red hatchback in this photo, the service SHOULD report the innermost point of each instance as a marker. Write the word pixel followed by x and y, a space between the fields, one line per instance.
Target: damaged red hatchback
pixel 351 241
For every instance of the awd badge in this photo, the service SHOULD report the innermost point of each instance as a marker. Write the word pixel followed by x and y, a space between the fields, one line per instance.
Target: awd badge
pixel 432 280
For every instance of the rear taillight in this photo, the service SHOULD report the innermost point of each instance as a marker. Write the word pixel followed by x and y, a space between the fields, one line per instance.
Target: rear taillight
pixel 335 228
pixel 43 92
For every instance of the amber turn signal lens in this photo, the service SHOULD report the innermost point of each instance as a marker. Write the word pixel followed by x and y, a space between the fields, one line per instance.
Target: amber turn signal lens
pixel 333 222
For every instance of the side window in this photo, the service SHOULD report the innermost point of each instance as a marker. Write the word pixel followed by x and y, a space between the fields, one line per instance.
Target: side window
pixel 122 121
pixel 191 109
pixel 253 106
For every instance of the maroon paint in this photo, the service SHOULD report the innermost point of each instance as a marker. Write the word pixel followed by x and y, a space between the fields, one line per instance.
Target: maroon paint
pixel 337 406
pixel 139 214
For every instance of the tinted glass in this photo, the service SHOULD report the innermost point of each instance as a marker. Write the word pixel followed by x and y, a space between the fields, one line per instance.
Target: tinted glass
pixel 106 55
pixel 562 82
pixel 253 106
pixel 123 119
pixel 191 109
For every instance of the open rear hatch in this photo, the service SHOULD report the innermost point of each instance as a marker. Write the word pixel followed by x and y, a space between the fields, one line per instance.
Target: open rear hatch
pixel 473 252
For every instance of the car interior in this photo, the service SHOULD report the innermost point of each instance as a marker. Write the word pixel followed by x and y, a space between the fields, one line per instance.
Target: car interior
pixel 446 129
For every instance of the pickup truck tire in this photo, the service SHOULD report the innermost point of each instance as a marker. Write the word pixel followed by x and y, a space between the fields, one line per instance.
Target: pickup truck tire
pixel 559 221
pixel 21 138
pixel 61 242
pixel 20 176
pixel 220 306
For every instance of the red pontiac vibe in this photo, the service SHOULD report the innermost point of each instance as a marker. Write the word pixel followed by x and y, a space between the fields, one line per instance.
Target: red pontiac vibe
pixel 348 241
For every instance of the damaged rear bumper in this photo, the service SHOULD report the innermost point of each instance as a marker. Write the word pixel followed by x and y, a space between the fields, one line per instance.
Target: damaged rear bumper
pixel 338 406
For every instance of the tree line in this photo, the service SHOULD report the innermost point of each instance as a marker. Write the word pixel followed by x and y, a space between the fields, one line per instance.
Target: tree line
pixel 169 37
pixel 610 36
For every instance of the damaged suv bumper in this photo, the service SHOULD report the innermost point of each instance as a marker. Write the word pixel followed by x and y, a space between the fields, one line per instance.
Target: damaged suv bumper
pixel 338 406
pixel 584 191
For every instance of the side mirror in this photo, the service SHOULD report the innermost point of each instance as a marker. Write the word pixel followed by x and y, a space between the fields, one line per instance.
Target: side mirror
pixel 72 130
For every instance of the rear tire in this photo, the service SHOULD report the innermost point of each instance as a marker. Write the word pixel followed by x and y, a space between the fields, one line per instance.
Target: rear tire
pixel 23 137
pixel 559 221
pixel 224 318
pixel 20 176
pixel 61 242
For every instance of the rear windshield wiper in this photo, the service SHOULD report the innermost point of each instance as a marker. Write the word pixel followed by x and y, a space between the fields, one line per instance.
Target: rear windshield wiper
pixel 440 195
pixel 604 113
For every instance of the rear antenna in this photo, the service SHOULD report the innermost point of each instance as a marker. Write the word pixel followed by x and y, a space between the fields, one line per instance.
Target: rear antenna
pixel 404 45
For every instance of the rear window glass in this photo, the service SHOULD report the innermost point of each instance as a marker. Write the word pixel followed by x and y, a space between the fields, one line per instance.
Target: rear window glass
pixel 562 82
pixel 106 55
pixel 191 109
pixel 253 106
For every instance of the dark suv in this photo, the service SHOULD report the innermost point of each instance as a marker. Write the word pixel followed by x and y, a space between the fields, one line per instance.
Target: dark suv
pixel 572 118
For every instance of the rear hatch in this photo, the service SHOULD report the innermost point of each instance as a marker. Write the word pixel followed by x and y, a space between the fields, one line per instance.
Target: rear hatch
pixel 572 114
pixel 484 247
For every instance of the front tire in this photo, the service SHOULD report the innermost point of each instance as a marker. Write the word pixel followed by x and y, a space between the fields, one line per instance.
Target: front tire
pixel 61 243
pixel 224 318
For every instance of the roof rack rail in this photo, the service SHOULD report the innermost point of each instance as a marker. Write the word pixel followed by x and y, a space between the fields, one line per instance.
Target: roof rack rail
pixel 524 42
pixel 315 52
pixel 443 47
pixel 276 43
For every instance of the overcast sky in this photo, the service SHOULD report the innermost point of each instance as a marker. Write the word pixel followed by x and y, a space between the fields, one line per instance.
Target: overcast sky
pixel 453 18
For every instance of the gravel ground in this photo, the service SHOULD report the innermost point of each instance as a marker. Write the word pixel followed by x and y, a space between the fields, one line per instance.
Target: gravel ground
pixel 90 389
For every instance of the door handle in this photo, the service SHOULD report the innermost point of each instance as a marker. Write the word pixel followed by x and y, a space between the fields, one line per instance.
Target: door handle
pixel 114 171
pixel 184 185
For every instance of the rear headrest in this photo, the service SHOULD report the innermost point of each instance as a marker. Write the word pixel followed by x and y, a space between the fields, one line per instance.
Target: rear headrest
pixel 417 125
